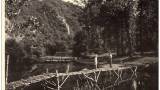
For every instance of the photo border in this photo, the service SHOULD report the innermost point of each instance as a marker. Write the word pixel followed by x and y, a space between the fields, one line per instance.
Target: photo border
pixel 2 45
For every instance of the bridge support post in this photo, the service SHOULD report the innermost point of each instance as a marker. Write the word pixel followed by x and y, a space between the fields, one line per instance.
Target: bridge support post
pixel 110 55
pixel 95 60
pixel 58 86
pixel 119 75
pixel 97 77
pixel 134 71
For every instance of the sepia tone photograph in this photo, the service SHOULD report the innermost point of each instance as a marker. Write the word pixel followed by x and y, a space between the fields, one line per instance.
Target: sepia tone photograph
pixel 81 45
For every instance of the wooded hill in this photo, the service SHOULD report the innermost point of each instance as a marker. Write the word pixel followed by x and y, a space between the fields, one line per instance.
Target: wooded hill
pixel 42 24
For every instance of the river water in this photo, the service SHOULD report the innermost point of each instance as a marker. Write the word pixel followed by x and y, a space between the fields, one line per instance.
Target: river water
pixel 143 80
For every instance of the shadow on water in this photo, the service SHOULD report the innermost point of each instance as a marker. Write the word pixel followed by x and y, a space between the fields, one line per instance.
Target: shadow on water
pixel 143 80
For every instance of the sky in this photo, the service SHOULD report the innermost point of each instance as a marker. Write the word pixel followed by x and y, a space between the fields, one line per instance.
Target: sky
pixel 73 1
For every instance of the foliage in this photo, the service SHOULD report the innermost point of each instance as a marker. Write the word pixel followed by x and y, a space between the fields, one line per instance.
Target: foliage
pixel 120 22
pixel 11 47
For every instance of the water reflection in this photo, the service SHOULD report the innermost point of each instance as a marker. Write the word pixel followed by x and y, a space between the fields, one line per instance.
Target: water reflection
pixel 134 84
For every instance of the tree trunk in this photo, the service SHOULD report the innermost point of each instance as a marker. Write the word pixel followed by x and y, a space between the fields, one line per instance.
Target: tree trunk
pixel 132 26
pixel 119 44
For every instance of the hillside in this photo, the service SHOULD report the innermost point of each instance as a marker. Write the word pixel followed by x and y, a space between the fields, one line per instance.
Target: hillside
pixel 50 24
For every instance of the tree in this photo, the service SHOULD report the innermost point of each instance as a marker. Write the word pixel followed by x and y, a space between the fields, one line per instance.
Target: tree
pixel 148 25
pixel 132 25
pixel 16 55
pixel 80 45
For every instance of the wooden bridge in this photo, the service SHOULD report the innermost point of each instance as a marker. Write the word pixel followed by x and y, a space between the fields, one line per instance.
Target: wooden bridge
pixel 57 59
pixel 116 68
